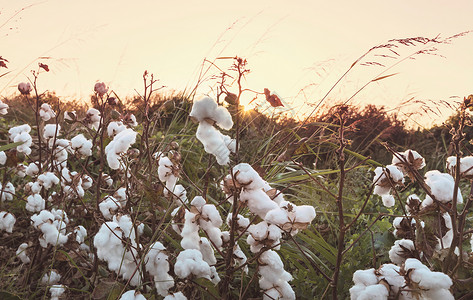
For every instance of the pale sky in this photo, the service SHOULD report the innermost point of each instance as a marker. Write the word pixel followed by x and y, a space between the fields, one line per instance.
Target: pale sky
pixel 296 48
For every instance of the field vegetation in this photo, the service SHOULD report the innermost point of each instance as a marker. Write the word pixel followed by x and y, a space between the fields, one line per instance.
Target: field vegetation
pixel 179 197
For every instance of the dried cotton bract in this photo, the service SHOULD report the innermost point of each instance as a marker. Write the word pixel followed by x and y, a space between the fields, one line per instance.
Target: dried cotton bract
pixel 408 160
pixel 207 112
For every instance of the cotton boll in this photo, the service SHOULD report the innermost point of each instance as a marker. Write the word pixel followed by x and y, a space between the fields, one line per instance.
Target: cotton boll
pixel 120 196
pixel 207 108
pixel 48 180
pixel 374 292
pixel 118 146
pixel 214 142
pixel 190 262
pixel 56 291
pixel 20 134
pixel 3 108
pixel 409 157
pixel 51 131
pixel 175 296
pixel 388 200
pixel 7 221
pixel 46 112
pixel 81 234
pixel 442 185
pixel 81 145
pixel 190 232
pixel 156 262
pixel 446 241
pixel 86 181
pixel 466 165
pixel 258 201
pixel 108 207
pixel 32 169
pixel 207 251
pixel 132 295
pixel 21 253
pixel 7 192
pixel 92 118
pixel 365 277
pixel 35 203
pixel 115 128
pixel 247 177
pixel 391 273
pixel 263 234
pixel 3 158
pixel 51 278
pixel 400 250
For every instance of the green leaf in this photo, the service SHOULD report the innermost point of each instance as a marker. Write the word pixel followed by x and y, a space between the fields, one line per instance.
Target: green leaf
pixel 10 146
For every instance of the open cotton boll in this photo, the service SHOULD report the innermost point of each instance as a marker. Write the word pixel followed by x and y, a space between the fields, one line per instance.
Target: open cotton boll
pixel 388 200
pixel 7 221
pixel 207 251
pixel 247 177
pixel 273 275
pixel 56 291
pixel 167 173
pixel 214 142
pixel 7 192
pixel 175 296
pixel 408 157
pixel 447 239
pixel 365 277
pixel 132 295
pixel 46 112
pixel 51 131
pixel 157 264
pixel 383 183
pixel 119 145
pixel 109 206
pixel 81 145
pixel 3 158
pixel 210 221
pixel 110 248
pixel 51 278
pixel 391 273
pixel 466 165
pixel 207 108
pixel 258 201
pixel 92 118
pixel 400 251
pixel 21 253
pixel 441 186
pixel 115 128
pixel 424 277
pixel 20 134
pixel 189 262
pixel 241 222
pixel 190 232
pixel 373 292
pixel 35 203
pixel 3 108
pixel 32 169
pixel 263 234
pixel 47 180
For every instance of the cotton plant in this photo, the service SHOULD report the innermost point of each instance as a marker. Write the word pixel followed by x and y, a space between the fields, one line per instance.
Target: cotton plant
pixel 208 113
pixel 92 118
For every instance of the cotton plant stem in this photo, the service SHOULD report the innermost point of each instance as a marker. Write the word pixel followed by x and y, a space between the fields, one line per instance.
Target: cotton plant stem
pixel 339 202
